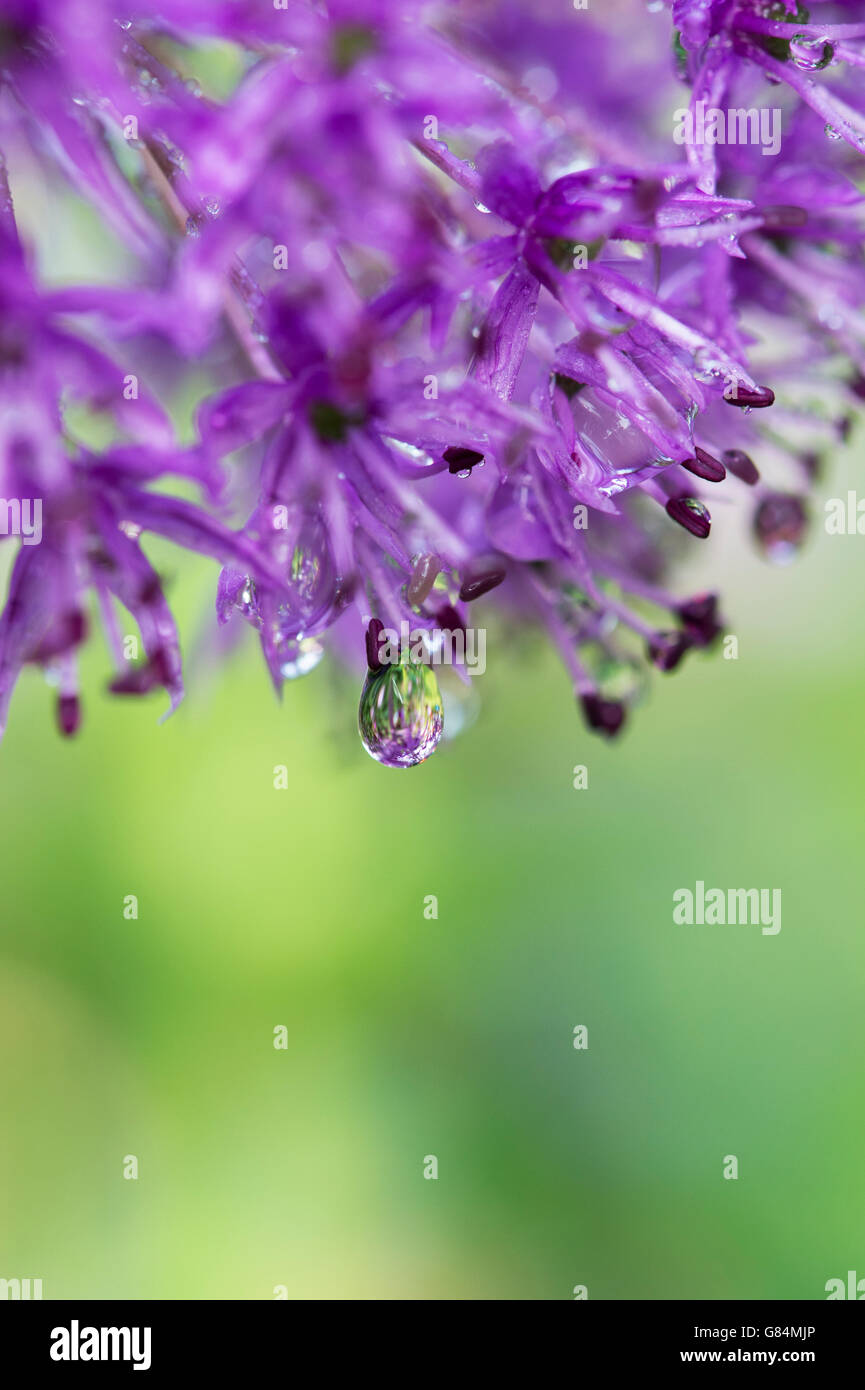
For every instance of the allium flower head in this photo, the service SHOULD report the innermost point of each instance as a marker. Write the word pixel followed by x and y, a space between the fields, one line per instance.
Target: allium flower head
pixel 475 319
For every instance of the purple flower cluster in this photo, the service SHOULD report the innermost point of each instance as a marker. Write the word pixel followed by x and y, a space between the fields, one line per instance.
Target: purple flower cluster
pixel 461 310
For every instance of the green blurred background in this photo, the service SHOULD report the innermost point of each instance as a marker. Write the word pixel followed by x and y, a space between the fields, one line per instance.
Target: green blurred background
pixel 409 1037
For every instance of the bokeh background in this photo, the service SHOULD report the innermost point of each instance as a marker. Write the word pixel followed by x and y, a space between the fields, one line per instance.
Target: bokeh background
pixel 453 1037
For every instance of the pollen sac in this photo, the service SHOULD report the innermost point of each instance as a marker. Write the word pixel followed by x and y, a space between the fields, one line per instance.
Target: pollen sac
pixel 741 465
pixel 781 216
pixel 666 649
pixel 705 466
pixel 449 620
pixel 691 514
pixel 423 576
pixel 606 717
pixel 373 644
pixel 749 397
pixel 699 619
pixel 462 460
pixel 480 578
pixel 68 715
pixel 780 526
pixel 400 718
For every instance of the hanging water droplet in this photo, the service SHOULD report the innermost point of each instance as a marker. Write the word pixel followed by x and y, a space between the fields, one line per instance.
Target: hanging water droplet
pixel 193 86
pixel 298 658
pixel 246 601
pixel 400 717
pixel 623 680
pixel 811 54
pixel 780 526
pixel 192 227
pixel 480 206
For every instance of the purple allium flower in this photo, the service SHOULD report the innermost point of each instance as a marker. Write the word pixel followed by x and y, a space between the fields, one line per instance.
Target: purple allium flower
pixel 470 313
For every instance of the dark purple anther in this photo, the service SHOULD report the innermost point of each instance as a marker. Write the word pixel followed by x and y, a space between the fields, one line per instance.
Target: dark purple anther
pixel 68 715
pixel 604 716
pixel 449 620
pixel 480 580
pixel 691 514
pixel 462 460
pixel 741 465
pixel 699 619
pixel 782 215
pixel 748 397
pixel 812 464
pixel 373 645
pixel 422 579
pixel 666 649
pixel 705 466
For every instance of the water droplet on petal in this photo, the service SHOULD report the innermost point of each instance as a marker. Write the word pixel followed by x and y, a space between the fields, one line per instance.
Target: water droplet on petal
pixel 831 132
pixel 310 577
pixel 811 54
pixel 298 658
pixel 400 715
pixel 246 602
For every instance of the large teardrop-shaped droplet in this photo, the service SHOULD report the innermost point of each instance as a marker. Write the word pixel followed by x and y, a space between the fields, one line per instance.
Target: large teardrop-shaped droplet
pixel 400 716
